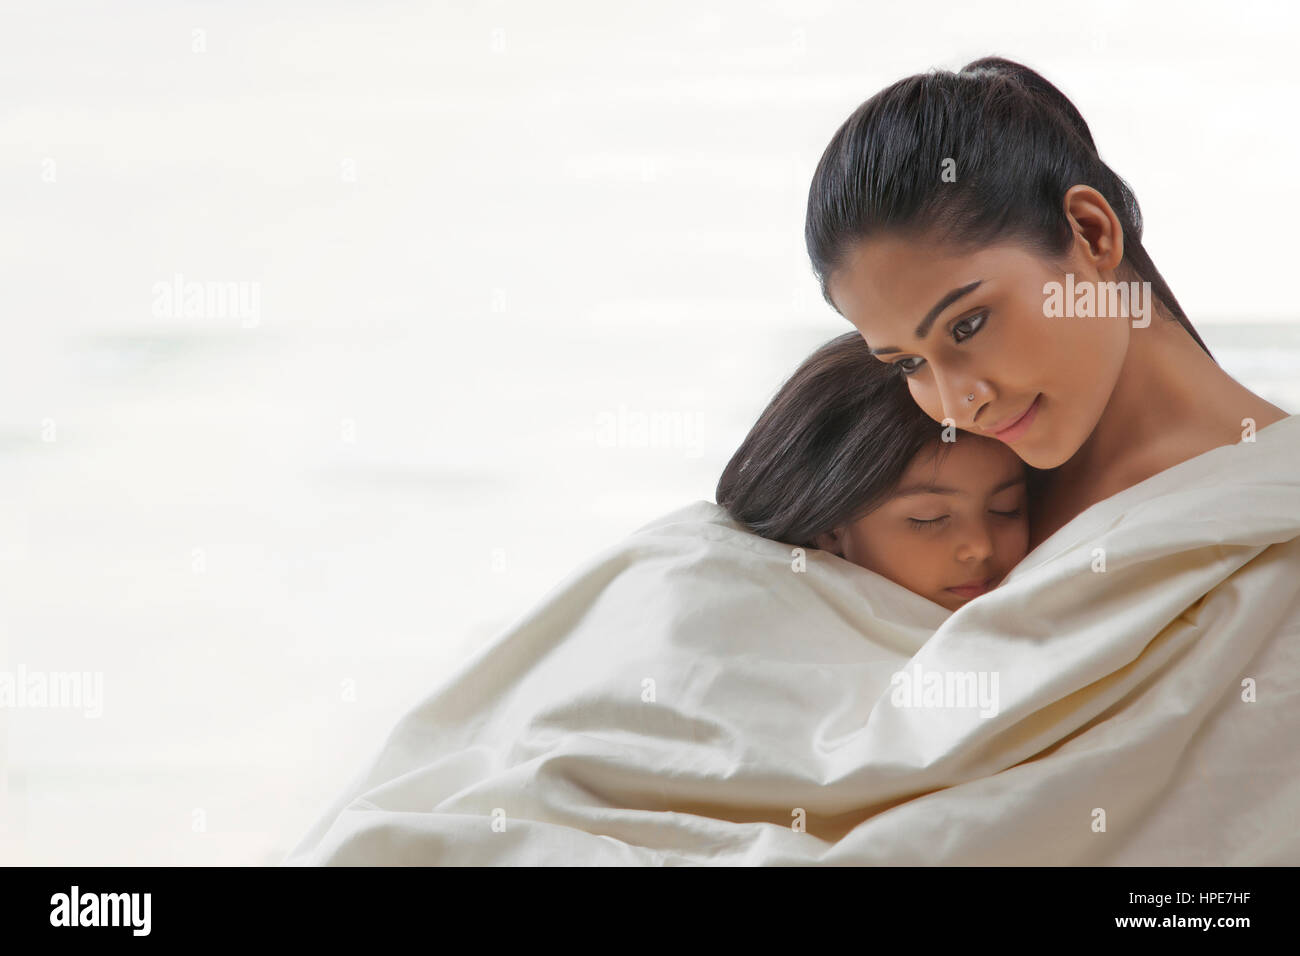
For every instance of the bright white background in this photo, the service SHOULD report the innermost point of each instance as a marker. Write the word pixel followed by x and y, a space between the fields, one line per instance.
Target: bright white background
pixel 486 237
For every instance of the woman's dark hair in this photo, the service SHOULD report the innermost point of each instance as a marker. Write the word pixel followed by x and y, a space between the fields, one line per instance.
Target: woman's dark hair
pixel 1017 143
pixel 835 439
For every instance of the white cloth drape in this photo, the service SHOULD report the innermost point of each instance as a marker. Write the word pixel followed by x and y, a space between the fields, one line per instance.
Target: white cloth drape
pixel 699 695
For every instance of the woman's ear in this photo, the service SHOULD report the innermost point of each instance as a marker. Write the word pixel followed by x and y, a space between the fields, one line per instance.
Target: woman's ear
pixel 832 541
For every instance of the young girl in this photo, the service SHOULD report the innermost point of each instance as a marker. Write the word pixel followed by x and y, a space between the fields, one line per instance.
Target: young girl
pixel 843 460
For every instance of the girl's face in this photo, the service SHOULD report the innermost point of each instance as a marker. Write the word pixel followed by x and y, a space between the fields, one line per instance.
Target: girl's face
pixel 956 324
pixel 951 530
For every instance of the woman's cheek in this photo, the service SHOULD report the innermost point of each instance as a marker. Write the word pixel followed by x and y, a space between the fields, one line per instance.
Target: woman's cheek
pixel 927 400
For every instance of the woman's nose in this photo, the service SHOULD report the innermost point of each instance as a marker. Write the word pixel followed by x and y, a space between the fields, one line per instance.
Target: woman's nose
pixel 953 392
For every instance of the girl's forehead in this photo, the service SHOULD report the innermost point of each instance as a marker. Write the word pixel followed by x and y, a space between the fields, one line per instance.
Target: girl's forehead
pixel 971 463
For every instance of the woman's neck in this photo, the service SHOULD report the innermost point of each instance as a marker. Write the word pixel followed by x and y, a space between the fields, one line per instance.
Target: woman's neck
pixel 1172 402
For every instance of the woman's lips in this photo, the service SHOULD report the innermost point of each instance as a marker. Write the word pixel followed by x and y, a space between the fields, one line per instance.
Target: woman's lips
pixel 972 590
pixel 1018 426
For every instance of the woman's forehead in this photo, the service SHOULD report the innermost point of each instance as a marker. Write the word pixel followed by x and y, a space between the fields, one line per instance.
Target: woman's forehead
pixel 892 283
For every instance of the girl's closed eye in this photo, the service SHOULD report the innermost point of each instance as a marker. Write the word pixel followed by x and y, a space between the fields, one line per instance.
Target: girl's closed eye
pixel 928 523
pixel 923 523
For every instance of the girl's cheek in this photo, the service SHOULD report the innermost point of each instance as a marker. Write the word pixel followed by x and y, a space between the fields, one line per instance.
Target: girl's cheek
pixel 1018 539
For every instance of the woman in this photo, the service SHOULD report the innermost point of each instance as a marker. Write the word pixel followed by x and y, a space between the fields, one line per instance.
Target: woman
pixel 940 216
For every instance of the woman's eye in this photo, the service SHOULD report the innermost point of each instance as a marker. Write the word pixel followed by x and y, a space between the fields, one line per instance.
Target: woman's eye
pixel 961 331
pixel 931 523
pixel 972 325
pixel 1008 514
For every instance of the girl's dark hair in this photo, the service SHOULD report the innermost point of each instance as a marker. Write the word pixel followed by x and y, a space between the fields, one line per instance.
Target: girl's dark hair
pixel 834 440
pixel 1017 143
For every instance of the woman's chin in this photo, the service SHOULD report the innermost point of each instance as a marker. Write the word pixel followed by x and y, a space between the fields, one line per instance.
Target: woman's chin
pixel 1043 449
pixel 1044 459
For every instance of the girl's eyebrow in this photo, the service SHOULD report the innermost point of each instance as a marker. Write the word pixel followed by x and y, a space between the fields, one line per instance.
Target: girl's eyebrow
pixel 941 490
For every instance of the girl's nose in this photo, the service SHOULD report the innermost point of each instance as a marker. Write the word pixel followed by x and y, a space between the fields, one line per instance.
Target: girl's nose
pixel 976 543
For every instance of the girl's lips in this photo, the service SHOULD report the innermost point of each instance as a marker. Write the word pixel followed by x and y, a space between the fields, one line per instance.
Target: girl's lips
pixel 971 590
pixel 1021 425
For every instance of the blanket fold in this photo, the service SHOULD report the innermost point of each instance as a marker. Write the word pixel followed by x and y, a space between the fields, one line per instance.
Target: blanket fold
pixel 699 695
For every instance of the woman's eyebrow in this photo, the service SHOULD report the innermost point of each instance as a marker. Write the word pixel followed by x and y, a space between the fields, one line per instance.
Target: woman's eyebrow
pixel 923 329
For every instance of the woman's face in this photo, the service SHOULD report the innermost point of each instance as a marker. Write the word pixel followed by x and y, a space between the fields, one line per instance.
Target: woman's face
pixel 958 324
pixel 958 522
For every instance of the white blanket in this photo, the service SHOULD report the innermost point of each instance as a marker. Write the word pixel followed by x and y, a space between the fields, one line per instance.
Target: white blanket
pixel 697 695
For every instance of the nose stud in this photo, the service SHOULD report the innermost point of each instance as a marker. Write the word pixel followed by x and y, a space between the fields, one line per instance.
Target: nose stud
pixel 970 397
